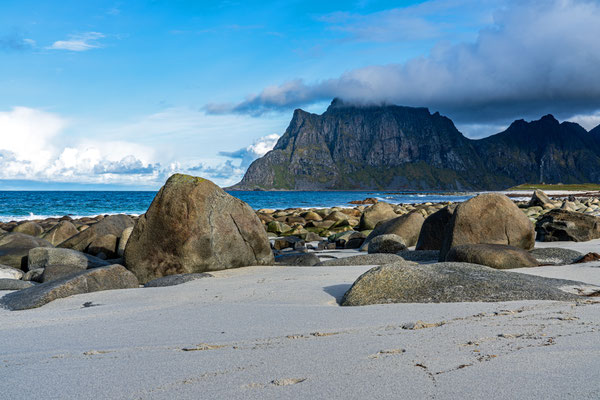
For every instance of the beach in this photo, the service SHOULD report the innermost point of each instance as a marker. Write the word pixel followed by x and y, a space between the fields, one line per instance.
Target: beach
pixel 278 332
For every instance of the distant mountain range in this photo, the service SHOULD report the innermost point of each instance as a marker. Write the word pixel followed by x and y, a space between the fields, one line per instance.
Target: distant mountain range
pixel 396 148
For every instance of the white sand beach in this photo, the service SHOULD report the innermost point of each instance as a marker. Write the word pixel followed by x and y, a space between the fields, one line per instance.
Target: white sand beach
pixel 278 332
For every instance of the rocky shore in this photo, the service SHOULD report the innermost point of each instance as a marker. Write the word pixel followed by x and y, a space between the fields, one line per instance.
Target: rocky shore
pixel 193 228
pixel 202 273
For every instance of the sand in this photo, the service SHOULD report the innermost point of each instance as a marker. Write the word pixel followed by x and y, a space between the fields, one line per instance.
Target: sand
pixel 277 332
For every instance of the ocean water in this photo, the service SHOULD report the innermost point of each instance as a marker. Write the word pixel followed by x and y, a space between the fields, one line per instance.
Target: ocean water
pixel 23 205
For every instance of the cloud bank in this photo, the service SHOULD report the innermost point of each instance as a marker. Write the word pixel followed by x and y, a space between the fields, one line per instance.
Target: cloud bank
pixel 536 57
pixel 31 150
pixel 259 148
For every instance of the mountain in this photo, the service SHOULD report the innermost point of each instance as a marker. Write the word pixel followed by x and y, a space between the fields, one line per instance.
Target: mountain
pixel 392 147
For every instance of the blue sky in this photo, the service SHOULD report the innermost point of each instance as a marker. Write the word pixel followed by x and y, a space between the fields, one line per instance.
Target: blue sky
pixel 123 93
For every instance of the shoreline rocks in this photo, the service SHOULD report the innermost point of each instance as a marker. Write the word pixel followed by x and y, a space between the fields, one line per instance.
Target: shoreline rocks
pixel 191 226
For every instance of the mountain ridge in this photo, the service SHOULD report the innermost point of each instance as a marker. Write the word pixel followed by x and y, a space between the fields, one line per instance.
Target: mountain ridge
pixel 390 147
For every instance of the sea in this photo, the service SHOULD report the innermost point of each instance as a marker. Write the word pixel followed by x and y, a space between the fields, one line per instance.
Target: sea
pixel 27 205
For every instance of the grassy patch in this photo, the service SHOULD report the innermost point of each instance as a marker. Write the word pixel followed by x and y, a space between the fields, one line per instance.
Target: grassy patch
pixel 573 187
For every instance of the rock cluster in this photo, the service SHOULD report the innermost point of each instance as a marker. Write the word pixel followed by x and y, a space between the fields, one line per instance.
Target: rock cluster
pixel 192 227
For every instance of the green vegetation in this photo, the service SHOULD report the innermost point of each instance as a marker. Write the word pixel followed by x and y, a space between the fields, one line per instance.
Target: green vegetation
pixel 569 187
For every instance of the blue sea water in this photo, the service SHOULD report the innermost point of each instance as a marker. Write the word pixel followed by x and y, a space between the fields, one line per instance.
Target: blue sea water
pixel 22 205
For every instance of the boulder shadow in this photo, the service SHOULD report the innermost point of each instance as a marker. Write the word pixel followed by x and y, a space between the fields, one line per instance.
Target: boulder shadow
pixel 337 291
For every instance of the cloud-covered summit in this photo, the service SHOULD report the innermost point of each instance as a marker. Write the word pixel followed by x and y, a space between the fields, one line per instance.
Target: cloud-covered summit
pixel 536 57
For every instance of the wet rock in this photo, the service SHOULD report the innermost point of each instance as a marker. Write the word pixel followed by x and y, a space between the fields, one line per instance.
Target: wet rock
pixel 92 280
pixel 496 256
pixel 191 226
pixel 177 279
pixel 490 218
pixel 450 282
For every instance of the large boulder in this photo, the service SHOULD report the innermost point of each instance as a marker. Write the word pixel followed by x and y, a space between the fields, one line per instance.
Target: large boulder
pixel 111 225
pixel 60 232
pixel 488 218
pixel 431 236
pixel 564 225
pixel 450 282
pixel 388 243
pixel 406 226
pixel 496 256
pixel 15 246
pixel 191 226
pixel 43 257
pixel 29 228
pixel 375 214
pixel 92 280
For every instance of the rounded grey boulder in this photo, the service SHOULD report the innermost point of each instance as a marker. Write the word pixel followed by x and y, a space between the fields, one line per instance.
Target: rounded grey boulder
pixel 555 256
pixel 191 226
pixel 488 218
pixel 388 243
pixel 496 256
pixel 450 282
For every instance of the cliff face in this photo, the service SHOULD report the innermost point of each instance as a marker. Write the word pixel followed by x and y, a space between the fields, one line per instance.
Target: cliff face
pixel 393 147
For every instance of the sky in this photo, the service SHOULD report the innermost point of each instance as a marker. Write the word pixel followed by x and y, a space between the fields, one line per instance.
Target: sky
pixel 119 95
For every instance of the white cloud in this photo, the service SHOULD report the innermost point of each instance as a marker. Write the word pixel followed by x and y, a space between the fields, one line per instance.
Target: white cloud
pixel 588 121
pixel 79 42
pixel 537 57
pixel 42 146
pixel 259 148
